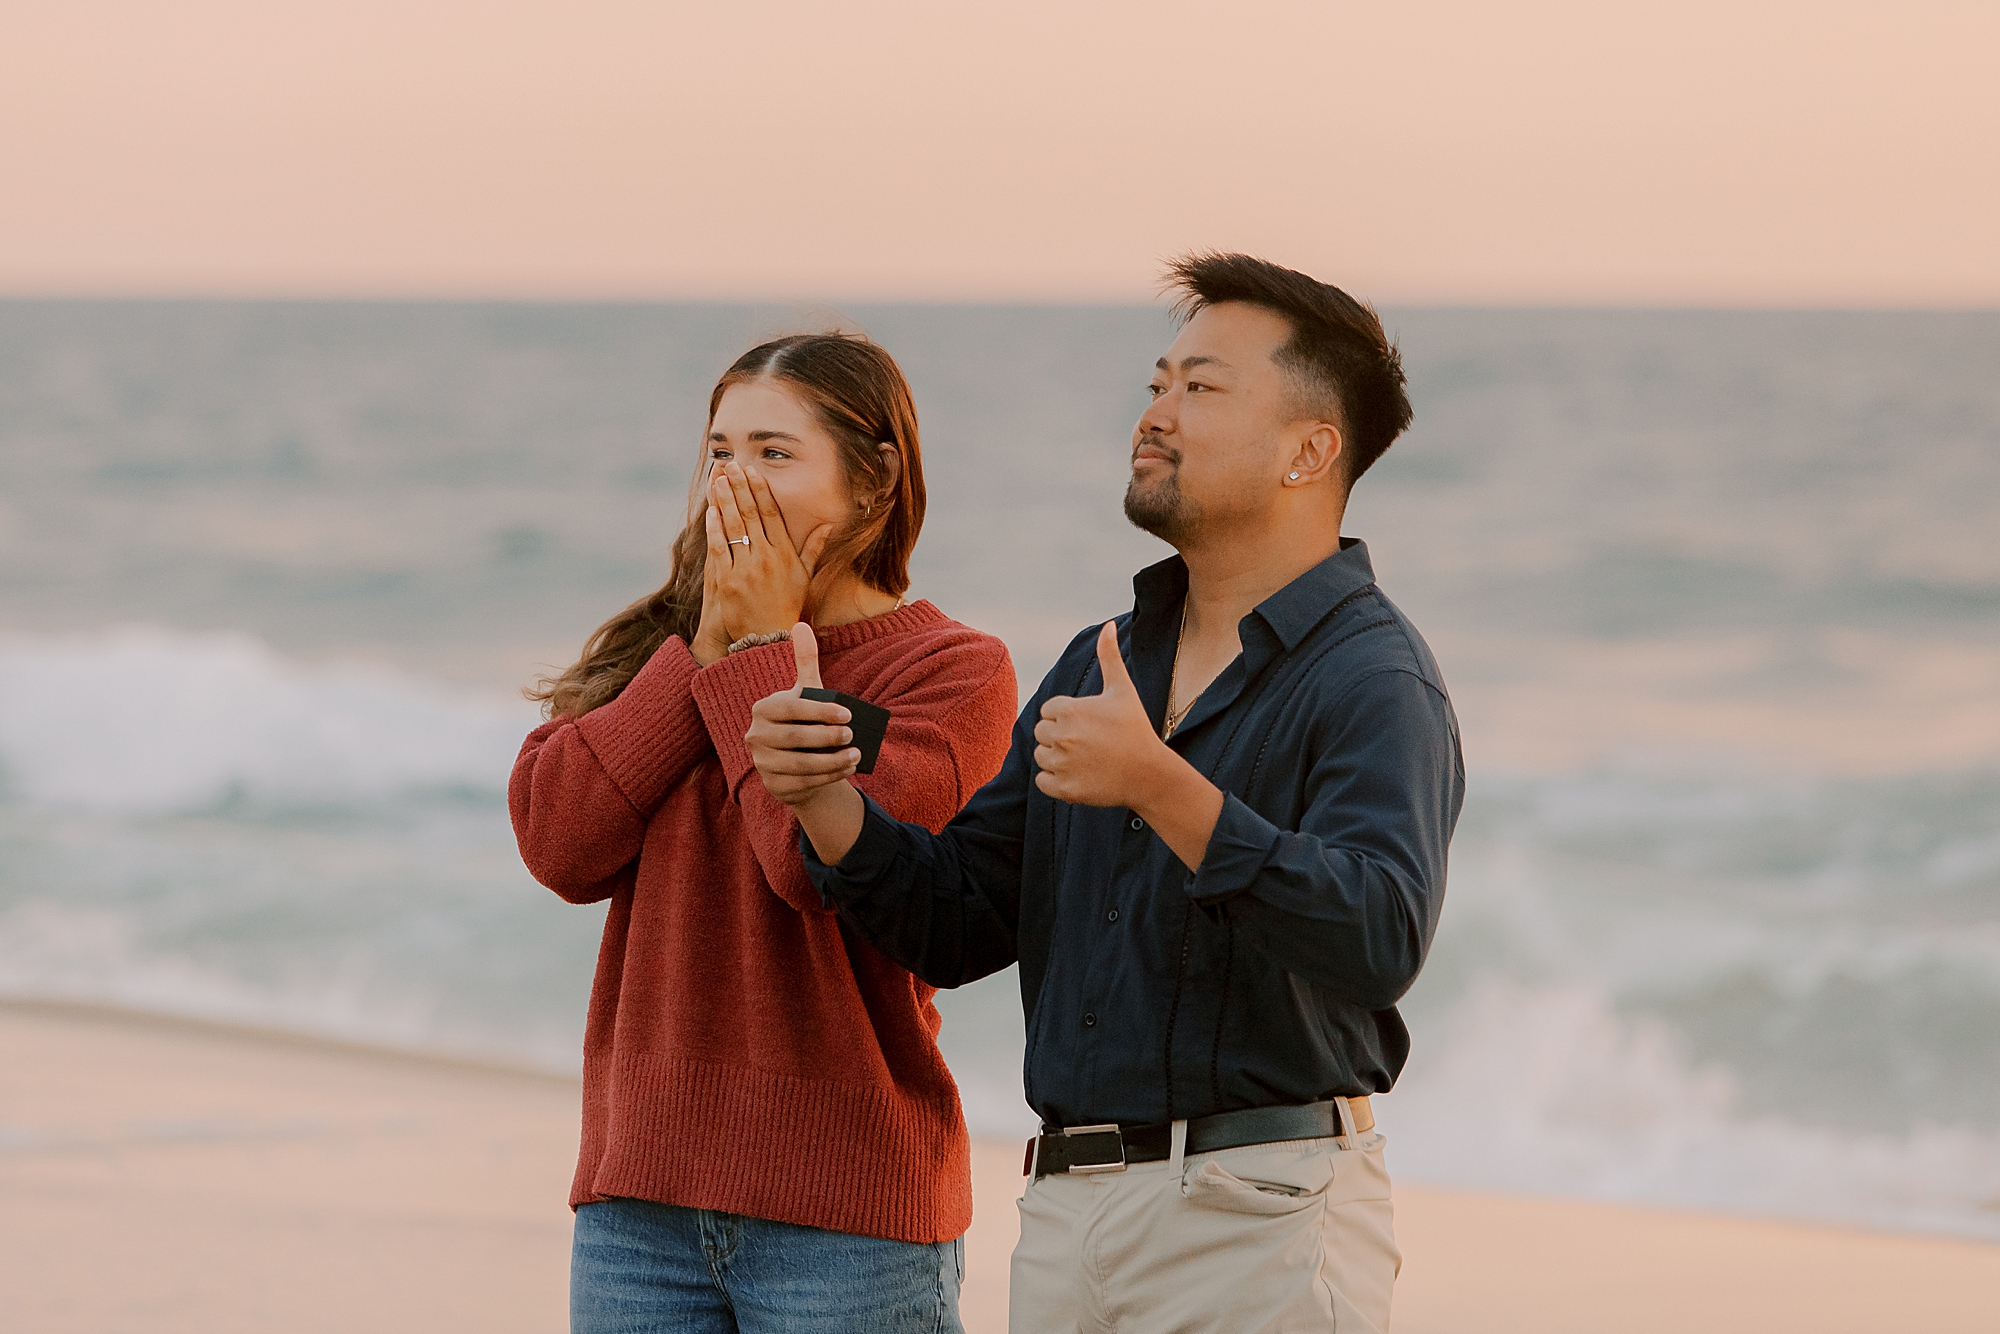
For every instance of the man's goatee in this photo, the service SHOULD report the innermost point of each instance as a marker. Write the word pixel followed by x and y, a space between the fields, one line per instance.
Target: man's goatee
pixel 1161 510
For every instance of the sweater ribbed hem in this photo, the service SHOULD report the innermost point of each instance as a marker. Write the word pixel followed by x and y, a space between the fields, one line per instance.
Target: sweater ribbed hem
pixel 854 1158
pixel 727 690
pixel 645 738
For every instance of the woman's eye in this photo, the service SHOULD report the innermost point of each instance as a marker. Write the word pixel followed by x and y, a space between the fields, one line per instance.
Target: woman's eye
pixel 776 454
pixel 718 454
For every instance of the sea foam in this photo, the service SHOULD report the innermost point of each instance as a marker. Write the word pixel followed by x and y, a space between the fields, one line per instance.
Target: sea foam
pixel 1550 1090
pixel 146 721
pixel 1768 995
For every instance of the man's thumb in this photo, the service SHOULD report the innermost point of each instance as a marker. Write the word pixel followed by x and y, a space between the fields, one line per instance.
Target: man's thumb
pixel 805 652
pixel 1112 662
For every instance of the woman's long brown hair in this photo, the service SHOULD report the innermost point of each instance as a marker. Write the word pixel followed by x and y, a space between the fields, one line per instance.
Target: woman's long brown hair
pixel 864 402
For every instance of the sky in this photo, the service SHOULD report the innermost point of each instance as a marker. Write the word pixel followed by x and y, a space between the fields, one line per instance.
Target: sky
pixel 1540 152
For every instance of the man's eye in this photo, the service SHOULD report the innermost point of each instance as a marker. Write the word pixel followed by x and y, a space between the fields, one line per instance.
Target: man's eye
pixel 1193 387
pixel 1156 389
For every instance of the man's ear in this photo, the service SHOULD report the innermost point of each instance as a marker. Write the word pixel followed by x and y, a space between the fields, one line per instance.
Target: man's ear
pixel 1317 457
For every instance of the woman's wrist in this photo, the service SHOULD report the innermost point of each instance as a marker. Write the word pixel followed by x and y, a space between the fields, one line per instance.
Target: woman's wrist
pixel 706 649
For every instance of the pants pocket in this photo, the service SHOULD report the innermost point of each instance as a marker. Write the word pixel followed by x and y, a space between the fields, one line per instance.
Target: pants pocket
pixel 1264 1182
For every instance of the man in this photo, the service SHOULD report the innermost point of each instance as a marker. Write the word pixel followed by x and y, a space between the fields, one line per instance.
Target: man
pixel 1217 849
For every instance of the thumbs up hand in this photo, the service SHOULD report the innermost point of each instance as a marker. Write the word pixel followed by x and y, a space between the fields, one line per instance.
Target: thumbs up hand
pixel 1101 750
pixel 787 732
pixel 805 654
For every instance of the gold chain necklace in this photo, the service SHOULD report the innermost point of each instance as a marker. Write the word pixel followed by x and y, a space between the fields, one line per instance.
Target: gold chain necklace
pixel 1173 683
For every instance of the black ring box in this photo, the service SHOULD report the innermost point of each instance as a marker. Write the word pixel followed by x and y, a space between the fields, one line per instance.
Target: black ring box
pixel 868 721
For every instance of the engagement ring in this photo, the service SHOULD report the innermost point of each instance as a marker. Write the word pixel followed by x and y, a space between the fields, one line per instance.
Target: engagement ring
pixel 734 540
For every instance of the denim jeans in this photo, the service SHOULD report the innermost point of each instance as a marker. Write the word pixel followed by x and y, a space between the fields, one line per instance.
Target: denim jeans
pixel 642 1268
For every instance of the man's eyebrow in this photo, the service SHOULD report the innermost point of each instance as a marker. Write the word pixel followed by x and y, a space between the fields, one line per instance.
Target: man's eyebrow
pixel 1189 363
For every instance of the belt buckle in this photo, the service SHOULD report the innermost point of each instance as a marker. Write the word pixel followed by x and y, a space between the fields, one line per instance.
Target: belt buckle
pixel 1117 1145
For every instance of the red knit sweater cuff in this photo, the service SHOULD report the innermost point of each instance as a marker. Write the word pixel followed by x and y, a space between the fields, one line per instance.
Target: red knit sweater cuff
pixel 650 735
pixel 726 690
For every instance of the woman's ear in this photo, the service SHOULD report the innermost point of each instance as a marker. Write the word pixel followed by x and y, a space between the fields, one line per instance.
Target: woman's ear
pixel 892 474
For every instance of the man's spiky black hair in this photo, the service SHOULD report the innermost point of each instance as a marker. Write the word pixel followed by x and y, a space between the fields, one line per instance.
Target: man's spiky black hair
pixel 1344 364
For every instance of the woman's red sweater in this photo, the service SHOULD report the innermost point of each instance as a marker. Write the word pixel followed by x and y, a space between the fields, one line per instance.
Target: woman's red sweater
pixel 743 1052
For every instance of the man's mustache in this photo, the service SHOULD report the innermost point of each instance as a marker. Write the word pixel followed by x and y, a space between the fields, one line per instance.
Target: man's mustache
pixel 1152 442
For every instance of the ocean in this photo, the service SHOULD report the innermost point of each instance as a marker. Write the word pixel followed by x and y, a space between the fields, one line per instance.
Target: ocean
pixel 1718 596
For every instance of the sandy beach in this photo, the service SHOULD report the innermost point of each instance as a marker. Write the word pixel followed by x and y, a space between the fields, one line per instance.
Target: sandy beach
pixel 163 1177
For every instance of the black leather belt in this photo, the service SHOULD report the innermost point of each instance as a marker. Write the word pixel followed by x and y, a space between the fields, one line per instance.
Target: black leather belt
pixel 1109 1148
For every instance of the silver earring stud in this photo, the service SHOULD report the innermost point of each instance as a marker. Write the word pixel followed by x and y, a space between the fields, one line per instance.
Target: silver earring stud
pixel 1295 477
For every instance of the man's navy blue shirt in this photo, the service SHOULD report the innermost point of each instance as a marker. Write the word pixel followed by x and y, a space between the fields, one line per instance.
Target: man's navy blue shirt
pixel 1270 975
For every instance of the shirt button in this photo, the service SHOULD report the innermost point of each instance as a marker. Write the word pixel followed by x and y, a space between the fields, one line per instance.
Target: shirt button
pixel 1111 916
pixel 1090 1021
pixel 1137 823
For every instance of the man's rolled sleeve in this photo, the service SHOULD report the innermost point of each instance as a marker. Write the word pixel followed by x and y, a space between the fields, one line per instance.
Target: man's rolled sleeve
pixel 1238 851
pixel 866 864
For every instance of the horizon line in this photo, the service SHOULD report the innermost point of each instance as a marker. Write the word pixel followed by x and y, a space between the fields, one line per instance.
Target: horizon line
pixel 1551 305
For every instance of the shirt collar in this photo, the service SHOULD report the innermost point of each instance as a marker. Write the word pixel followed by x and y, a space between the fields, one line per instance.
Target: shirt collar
pixel 1291 612
pixel 1295 609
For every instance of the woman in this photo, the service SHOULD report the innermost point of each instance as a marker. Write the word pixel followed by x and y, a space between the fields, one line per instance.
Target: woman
pixel 770 1137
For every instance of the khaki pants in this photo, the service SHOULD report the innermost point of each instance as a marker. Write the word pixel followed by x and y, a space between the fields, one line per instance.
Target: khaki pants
pixel 1269 1237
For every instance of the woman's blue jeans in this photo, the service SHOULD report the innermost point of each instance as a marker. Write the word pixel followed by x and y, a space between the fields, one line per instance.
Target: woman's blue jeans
pixel 642 1268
